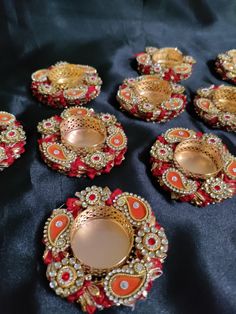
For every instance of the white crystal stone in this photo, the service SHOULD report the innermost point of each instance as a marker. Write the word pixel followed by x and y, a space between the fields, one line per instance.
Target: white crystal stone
pixel 124 284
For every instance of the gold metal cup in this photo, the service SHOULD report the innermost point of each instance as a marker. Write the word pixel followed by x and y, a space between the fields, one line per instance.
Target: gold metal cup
pixel 198 159
pixel 101 238
pixel 83 134
pixel 152 89
pixel 168 57
pixel 63 76
pixel 224 99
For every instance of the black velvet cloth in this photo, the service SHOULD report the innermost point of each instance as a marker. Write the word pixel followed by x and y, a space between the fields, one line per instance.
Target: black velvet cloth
pixel 200 271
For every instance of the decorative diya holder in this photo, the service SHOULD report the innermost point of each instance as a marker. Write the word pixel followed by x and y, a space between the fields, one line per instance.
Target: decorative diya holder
pixel 103 249
pixel 194 167
pixel 12 139
pixel 81 142
pixel 151 98
pixel 225 65
pixel 216 106
pixel 64 84
pixel 167 63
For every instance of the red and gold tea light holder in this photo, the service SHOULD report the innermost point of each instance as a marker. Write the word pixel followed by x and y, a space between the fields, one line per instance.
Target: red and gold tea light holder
pixel 81 142
pixel 12 139
pixel 225 65
pixel 64 84
pixel 103 249
pixel 194 167
pixel 151 98
pixel 216 106
pixel 168 63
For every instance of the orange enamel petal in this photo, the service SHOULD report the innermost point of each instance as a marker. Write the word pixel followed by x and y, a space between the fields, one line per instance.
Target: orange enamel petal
pixel 5 117
pixel 56 152
pixel 137 208
pixel 78 111
pixel 117 140
pixel 205 104
pixel 181 133
pixel 231 169
pixel 133 283
pixel 39 74
pixel 57 225
pixel 175 180
pixel 125 93
pixel 168 105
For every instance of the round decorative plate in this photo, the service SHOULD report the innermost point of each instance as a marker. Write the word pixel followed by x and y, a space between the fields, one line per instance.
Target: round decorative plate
pixel 194 167
pixel 81 142
pixel 12 139
pixel 152 99
pixel 225 65
pixel 65 84
pixel 103 249
pixel 167 63
pixel 216 105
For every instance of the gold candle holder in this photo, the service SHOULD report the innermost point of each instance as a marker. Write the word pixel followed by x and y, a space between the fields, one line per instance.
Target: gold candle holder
pixel 83 134
pixel 198 159
pixel 169 57
pixel 152 89
pixel 65 75
pixel 101 239
pixel 224 99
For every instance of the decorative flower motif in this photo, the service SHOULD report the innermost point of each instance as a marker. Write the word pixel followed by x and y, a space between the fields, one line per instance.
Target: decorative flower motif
pixel 152 242
pixel 97 160
pixel 217 189
pixel 93 195
pixel 48 126
pixel 108 119
pixel 66 277
pixel 162 151
pixel 12 135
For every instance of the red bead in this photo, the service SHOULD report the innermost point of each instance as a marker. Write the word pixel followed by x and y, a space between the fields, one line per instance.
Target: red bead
pixel 151 241
pixel 92 197
pixel 65 276
pixel 217 188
